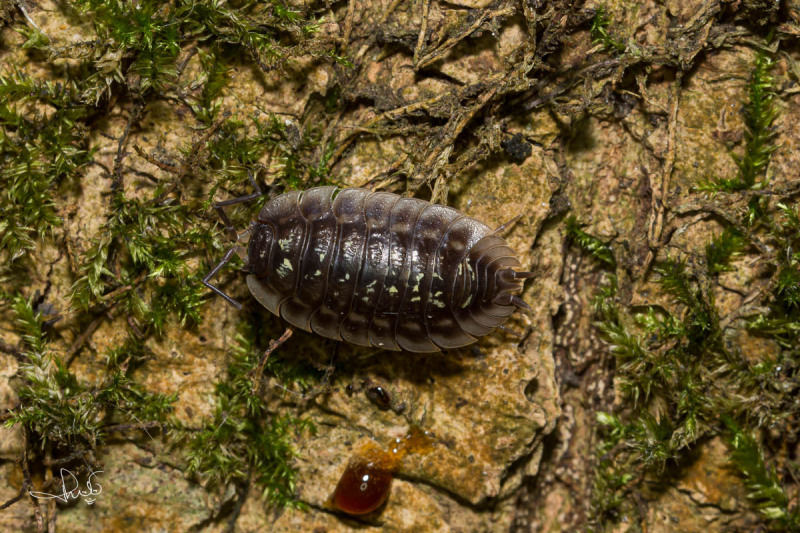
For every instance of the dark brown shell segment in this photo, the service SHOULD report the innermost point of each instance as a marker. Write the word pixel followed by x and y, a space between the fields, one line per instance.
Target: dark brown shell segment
pixel 377 269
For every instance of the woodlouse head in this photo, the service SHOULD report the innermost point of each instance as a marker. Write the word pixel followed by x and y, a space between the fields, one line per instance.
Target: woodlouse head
pixel 259 250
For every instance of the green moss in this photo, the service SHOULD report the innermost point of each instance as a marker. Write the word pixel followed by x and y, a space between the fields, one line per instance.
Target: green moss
pixel 612 478
pixel 719 252
pixel 60 410
pixel 43 144
pixel 674 361
pixel 245 439
pixel 299 161
pixel 136 51
pixel 150 241
pixel 763 483
pixel 760 113
pixel 597 248
pixel 787 236
pixel 217 68
pixel 600 34
pixel 34 38
pixel 139 42
pixel 675 364
pixel 782 321
pixel 158 234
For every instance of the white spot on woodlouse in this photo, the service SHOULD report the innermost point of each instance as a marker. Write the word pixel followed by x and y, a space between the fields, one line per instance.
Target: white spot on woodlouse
pixel 287 264
pixel 371 287
pixel 347 276
pixel 318 272
pixel 416 299
pixel 465 304
pixel 416 287
pixel 392 290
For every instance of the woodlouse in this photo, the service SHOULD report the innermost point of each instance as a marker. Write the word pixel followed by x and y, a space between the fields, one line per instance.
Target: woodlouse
pixel 377 269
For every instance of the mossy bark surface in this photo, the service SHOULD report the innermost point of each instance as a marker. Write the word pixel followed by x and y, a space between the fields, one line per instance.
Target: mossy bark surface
pixel 608 128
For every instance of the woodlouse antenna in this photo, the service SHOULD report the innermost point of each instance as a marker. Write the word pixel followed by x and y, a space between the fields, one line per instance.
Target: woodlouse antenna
pixel 503 227
pixel 233 235
pixel 519 302
pixel 241 199
pixel 225 260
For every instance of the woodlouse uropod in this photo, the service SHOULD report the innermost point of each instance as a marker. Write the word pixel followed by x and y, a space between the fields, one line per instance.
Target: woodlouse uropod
pixel 377 269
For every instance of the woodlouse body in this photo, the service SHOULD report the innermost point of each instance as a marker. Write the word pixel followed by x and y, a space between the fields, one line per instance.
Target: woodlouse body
pixel 376 269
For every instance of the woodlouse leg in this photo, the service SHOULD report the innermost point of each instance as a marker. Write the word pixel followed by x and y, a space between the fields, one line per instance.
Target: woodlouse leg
pixel 514 333
pixel 326 378
pixel 247 198
pixel 273 345
pixel 225 260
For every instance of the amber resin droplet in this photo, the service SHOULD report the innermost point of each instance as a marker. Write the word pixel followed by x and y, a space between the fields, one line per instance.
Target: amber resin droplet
pixel 367 480
pixel 363 487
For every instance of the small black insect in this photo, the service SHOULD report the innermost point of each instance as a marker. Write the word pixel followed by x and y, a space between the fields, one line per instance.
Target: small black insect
pixel 377 269
pixel 379 396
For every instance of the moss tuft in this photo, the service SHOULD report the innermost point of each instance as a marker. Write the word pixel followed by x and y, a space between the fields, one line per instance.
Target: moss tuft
pixel 245 439
pixel 600 34
pixel 674 357
pixel 597 248
pixel 43 144
pixel 760 113
pixel 763 484
pixel 59 410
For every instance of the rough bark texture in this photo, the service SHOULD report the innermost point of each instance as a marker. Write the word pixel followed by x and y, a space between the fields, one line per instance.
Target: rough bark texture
pixel 498 108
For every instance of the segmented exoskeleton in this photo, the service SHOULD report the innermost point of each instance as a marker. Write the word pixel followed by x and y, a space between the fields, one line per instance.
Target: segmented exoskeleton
pixel 377 269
